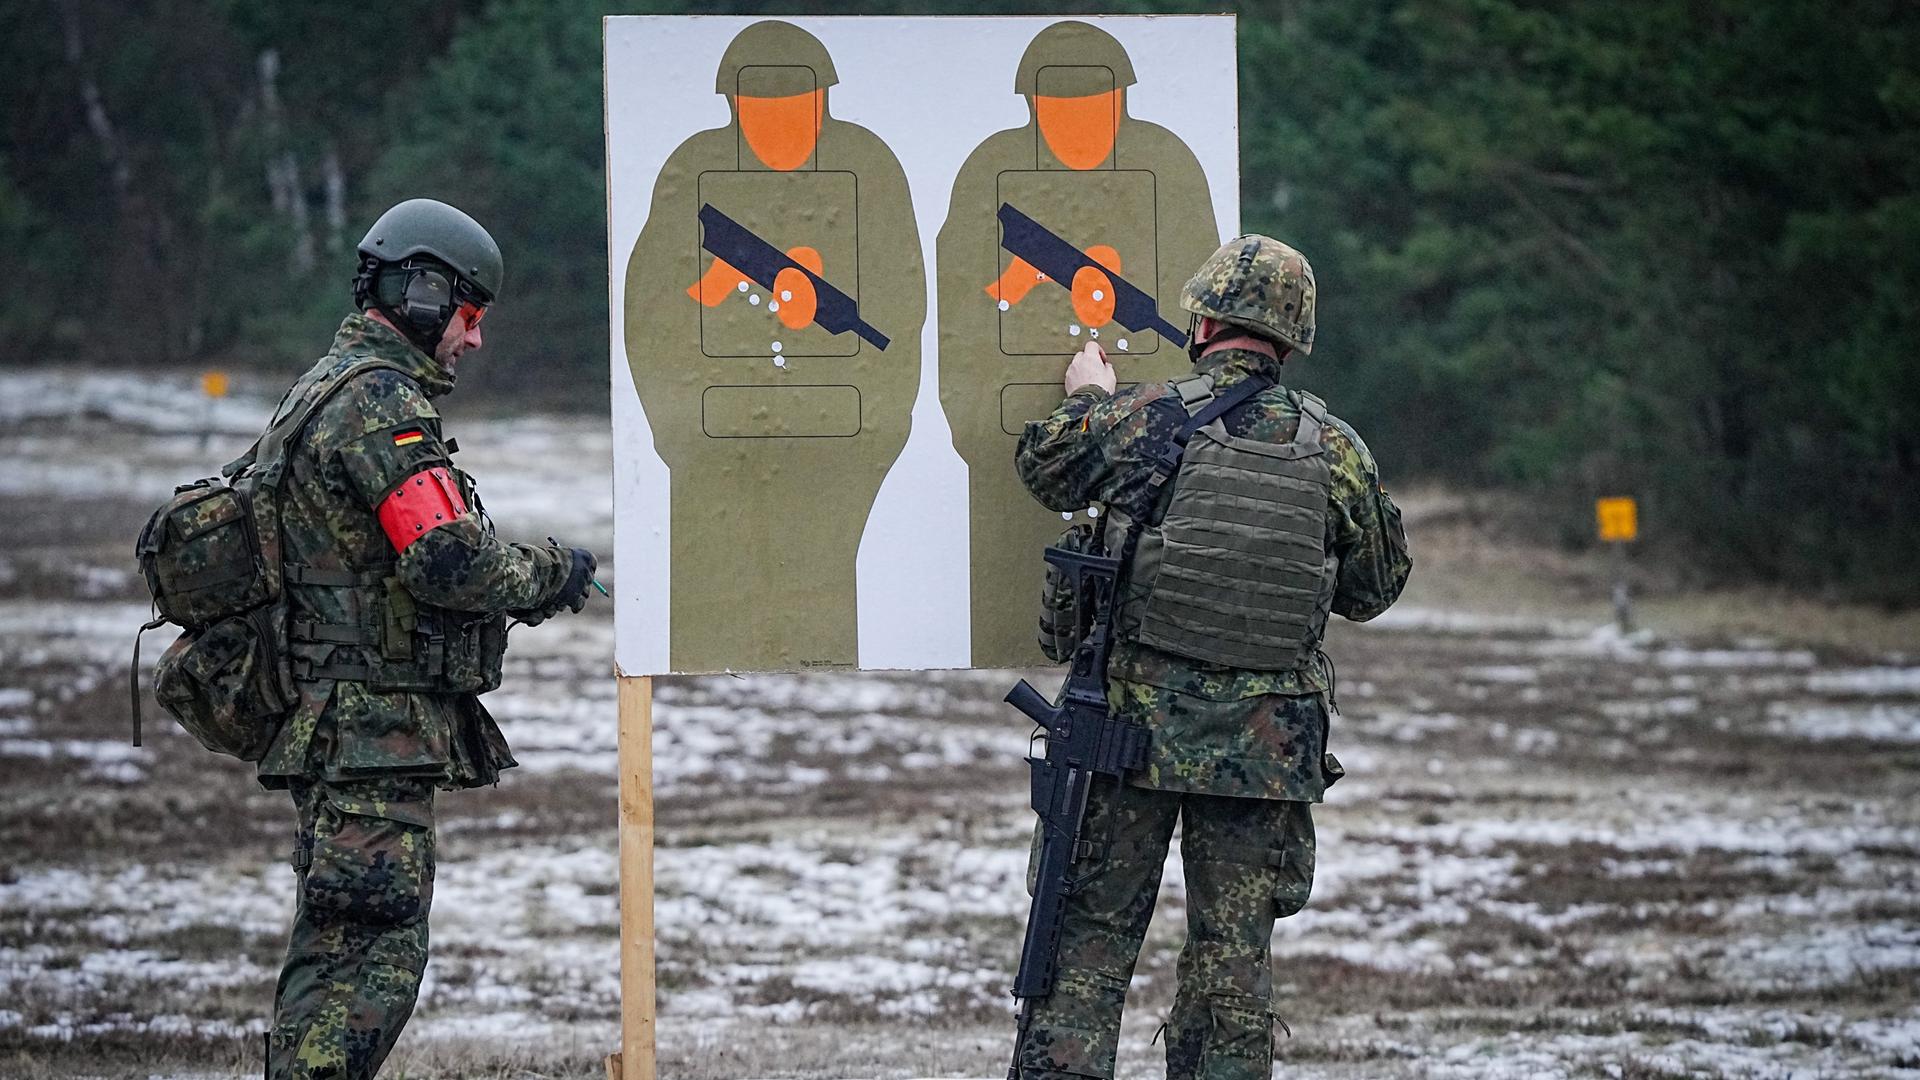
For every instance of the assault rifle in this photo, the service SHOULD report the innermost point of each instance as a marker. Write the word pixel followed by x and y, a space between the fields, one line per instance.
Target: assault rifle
pixel 1082 741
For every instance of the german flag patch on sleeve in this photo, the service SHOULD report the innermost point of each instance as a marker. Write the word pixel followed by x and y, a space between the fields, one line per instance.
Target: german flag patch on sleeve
pixel 408 436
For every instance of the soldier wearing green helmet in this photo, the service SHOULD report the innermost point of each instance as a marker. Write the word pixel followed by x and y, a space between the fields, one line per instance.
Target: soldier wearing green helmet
pixel 397 598
pixel 1272 519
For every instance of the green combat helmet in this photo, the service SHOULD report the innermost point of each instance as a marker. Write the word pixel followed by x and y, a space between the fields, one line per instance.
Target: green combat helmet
pixel 1073 59
pixel 1256 283
pixel 774 59
pixel 431 227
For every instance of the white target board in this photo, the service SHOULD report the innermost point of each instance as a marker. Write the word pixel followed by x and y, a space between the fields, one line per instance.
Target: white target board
pixel 850 257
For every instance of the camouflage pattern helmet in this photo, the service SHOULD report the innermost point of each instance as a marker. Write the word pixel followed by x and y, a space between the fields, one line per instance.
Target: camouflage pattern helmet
pixel 1079 59
pixel 788 61
pixel 1256 283
pixel 431 227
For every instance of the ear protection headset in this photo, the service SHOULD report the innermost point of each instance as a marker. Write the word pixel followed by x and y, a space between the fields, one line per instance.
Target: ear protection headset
pixel 419 296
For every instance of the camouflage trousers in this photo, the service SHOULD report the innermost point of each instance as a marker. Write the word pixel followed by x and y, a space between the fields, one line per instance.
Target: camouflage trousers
pixel 1247 861
pixel 359 941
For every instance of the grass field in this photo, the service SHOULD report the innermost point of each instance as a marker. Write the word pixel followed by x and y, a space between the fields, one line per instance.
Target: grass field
pixel 1693 852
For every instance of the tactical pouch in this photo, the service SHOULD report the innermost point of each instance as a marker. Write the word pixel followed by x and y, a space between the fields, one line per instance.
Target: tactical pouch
pixel 201 555
pixel 431 650
pixel 1060 629
pixel 476 650
pixel 400 617
pixel 225 685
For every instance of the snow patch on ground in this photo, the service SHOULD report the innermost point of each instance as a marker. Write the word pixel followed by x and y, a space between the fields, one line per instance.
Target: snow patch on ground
pixel 1877 723
pixel 1866 681
pixel 166 403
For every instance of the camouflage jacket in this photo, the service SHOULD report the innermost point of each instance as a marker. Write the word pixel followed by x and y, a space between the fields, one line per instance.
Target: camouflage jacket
pixel 355 450
pixel 1218 730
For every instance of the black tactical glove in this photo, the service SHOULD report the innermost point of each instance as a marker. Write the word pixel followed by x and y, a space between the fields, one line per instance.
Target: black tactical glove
pixel 572 593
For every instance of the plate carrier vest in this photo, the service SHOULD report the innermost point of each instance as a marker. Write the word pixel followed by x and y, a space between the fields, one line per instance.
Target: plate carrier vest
pixel 1237 571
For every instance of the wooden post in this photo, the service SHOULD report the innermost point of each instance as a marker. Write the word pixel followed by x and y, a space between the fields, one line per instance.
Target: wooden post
pixel 635 1059
pixel 1622 603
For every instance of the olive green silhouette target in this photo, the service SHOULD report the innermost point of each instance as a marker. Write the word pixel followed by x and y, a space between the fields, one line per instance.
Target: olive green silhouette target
pixel 1119 210
pixel 773 305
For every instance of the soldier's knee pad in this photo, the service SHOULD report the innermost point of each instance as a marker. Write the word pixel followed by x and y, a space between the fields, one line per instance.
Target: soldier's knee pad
pixel 371 871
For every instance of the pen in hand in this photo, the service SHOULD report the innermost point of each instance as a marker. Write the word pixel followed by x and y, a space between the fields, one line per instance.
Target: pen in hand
pixel 595 582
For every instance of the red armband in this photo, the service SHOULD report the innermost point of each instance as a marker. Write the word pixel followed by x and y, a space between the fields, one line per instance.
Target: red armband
pixel 422 503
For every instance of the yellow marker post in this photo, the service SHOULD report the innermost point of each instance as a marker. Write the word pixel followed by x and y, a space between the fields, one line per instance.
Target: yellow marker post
pixel 213 384
pixel 1619 521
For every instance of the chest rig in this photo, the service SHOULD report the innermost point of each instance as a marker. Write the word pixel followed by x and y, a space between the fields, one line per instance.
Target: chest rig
pixel 358 623
pixel 1236 572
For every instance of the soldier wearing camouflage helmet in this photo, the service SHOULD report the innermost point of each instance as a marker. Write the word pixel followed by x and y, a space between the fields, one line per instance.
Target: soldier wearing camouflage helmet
pixel 1273 519
pixel 398 594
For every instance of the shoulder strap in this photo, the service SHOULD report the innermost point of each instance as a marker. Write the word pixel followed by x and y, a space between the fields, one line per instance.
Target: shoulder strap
pixel 269 455
pixel 274 441
pixel 1313 420
pixel 1194 390
pixel 1241 392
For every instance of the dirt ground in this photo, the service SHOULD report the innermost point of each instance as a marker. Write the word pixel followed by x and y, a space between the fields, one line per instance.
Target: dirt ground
pixel 1560 851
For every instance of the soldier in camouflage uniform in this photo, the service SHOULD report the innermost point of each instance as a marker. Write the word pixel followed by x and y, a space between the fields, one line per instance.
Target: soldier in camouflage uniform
pixel 1238 750
pixel 398 595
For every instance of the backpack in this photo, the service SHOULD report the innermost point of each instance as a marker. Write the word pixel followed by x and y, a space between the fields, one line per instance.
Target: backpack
pixel 212 559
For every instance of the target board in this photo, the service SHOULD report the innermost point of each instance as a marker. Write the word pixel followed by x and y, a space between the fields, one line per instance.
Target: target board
pixel 850 257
